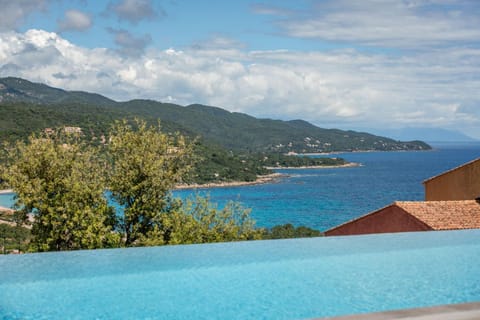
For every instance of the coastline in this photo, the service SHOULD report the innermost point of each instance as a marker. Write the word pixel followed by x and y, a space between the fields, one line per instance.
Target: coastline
pixel 260 180
pixel 5 209
pixel 347 165
pixel 269 178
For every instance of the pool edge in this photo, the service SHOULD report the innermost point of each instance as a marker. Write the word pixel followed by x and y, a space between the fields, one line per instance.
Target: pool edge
pixel 464 311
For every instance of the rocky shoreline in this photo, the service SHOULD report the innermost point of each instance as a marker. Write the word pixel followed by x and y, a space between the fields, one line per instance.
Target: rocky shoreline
pixel 269 178
pixel 347 165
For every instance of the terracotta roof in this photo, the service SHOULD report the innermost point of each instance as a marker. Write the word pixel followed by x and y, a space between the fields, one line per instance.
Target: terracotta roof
pixel 451 170
pixel 444 215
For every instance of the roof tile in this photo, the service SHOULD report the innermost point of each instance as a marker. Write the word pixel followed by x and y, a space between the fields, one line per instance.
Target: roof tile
pixel 444 215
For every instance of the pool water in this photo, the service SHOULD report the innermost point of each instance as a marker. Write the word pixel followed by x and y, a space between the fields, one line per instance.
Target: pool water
pixel 278 279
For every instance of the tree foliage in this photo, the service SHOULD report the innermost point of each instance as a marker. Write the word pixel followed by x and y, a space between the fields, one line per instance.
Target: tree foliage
pixel 200 221
pixel 57 177
pixel 282 160
pixel 63 181
pixel 146 165
pixel 289 231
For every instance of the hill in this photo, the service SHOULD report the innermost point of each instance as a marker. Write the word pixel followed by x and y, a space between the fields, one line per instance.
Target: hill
pixel 20 90
pixel 26 106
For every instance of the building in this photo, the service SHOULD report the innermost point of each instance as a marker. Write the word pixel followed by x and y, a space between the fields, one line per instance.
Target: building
pixel 49 131
pixel 461 183
pixel 407 216
pixel 452 202
pixel 72 130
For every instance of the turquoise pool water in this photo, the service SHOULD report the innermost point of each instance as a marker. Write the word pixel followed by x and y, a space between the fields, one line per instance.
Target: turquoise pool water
pixel 281 279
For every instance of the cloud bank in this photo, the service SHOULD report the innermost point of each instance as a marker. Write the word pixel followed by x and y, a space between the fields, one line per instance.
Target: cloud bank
pixel 409 24
pixel 343 88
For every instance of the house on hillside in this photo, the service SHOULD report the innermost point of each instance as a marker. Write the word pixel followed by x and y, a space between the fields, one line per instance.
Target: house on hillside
pixel 407 216
pixel 72 130
pixel 49 131
pixel 461 183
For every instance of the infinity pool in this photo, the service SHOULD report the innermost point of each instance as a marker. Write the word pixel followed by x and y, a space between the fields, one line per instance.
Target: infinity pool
pixel 281 279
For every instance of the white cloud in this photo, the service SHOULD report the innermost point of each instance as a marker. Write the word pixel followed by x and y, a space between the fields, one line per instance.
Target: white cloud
pixel 340 88
pixel 388 23
pixel 218 42
pixel 75 20
pixel 13 13
pixel 134 11
pixel 129 44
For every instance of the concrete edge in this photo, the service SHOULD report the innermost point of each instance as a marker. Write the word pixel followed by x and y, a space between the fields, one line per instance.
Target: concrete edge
pixel 464 311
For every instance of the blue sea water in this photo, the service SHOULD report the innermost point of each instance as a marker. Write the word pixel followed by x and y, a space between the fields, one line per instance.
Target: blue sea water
pixel 281 279
pixel 324 198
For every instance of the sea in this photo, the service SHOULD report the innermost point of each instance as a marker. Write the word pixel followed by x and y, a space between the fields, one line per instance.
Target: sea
pixel 326 197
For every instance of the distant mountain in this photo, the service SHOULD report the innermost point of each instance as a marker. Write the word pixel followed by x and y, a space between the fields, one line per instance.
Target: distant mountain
pixel 27 107
pixel 427 134
pixel 20 90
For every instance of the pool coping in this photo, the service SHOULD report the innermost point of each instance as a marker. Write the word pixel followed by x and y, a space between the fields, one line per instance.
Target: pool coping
pixel 462 311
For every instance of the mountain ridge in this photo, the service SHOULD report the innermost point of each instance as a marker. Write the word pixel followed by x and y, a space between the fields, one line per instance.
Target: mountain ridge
pixel 231 130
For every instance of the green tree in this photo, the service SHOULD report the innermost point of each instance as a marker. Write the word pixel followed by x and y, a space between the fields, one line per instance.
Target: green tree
pixel 59 179
pixel 13 238
pixel 289 231
pixel 200 221
pixel 146 165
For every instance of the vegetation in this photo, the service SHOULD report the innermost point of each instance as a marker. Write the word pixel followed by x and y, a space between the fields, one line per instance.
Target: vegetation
pixel 233 131
pixel 217 165
pixel 281 160
pixel 289 231
pixel 62 180
pixel 146 165
pixel 199 221
pixel 58 178
pixel 13 238
pixel 61 175
pixel 230 146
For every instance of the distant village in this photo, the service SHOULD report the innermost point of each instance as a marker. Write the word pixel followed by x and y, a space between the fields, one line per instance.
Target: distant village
pixel 74 131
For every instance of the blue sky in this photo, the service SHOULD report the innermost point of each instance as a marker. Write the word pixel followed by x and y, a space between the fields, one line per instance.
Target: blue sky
pixel 366 65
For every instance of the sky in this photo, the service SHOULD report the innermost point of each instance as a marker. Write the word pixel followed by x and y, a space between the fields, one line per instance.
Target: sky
pixel 367 65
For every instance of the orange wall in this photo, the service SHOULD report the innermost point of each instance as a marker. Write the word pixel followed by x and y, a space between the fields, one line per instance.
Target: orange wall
pixel 462 183
pixel 389 219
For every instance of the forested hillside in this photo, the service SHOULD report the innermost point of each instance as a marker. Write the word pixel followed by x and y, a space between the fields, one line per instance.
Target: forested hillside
pixel 230 146
pixel 234 131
